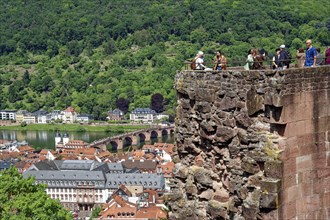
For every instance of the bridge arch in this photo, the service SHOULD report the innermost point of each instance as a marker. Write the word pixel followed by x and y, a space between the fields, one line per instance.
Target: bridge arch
pixel 164 132
pixel 114 145
pixel 127 141
pixel 142 137
pixel 153 134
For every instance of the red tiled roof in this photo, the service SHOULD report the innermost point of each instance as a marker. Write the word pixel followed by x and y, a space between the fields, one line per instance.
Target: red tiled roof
pixel 151 212
pixel 70 109
pixel 25 148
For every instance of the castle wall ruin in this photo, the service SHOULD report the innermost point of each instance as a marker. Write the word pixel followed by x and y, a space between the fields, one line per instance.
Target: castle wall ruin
pixel 252 145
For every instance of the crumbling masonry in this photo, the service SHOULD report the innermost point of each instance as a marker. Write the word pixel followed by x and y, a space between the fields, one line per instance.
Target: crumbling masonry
pixel 252 145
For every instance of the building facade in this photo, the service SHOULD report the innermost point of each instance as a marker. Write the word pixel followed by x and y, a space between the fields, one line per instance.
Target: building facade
pixel 116 115
pixel 84 184
pixel 69 115
pixel 8 115
pixel 144 115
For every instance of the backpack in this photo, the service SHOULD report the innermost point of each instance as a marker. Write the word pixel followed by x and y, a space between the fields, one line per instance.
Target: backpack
pixel 288 58
pixel 193 64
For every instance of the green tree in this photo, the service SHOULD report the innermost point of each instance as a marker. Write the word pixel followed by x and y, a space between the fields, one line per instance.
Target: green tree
pixel 96 212
pixel 26 78
pixel 21 198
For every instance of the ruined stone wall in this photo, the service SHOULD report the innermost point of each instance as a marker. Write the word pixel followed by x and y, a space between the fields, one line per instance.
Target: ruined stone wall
pixel 252 145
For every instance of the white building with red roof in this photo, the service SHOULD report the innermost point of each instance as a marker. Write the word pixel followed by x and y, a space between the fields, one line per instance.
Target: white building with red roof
pixel 70 115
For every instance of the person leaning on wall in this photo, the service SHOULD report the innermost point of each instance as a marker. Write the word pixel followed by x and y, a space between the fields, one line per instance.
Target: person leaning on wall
pixel 310 54
pixel 327 56
pixel 220 61
pixel 300 57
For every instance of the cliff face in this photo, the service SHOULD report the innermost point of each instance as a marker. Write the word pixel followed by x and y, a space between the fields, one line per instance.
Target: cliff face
pixel 252 145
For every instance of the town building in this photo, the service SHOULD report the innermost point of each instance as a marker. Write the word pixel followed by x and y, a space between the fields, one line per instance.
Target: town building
pixel 84 184
pixel 30 118
pixel 115 115
pixel 5 165
pixel 76 144
pixel 8 115
pixel 144 115
pixel 84 118
pixel 42 116
pixel 55 115
pixel 146 166
pixel 69 115
pixel 125 204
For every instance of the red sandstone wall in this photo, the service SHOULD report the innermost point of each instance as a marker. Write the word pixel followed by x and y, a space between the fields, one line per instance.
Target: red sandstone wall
pixel 305 124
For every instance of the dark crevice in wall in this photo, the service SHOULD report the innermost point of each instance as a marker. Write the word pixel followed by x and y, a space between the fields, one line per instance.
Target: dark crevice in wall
pixel 275 112
pixel 278 128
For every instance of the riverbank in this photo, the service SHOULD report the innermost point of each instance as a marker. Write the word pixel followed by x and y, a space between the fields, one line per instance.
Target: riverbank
pixel 75 127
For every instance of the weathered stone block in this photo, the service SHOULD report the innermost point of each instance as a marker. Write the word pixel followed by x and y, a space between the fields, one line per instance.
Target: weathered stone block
pixel 191 189
pixel 270 185
pixel 181 171
pixel 255 102
pixel 224 133
pixel 243 119
pixel 221 196
pixel 208 126
pixel 217 209
pixel 202 176
pixel 274 168
pixel 277 100
pixel 249 165
pixel 269 200
pixel 207 195
pixel 226 103
pixel 250 211
pixel 203 107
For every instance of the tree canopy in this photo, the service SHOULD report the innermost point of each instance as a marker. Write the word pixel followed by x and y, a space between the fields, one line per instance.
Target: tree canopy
pixel 90 53
pixel 23 199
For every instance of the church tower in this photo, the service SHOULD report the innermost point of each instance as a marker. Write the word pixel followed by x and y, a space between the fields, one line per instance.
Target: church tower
pixel 58 138
pixel 65 138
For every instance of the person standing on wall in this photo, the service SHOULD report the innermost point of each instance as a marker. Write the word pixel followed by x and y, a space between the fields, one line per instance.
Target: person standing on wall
pixel 220 61
pixel 327 56
pixel 199 59
pixel 250 59
pixel 301 57
pixel 277 64
pixel 285 57
pixel 310 54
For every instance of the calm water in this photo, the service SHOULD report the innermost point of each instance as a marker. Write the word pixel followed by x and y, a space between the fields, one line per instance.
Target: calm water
pixel 46 139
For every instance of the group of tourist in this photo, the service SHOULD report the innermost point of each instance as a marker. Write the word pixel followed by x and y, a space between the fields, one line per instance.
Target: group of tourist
pixel 220 62
pixel 281 60
pixel 312 56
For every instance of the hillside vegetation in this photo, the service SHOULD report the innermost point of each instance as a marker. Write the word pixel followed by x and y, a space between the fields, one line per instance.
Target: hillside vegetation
pixel 90 53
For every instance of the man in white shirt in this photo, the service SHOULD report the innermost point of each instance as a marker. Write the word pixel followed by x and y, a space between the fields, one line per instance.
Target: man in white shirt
pixel 200 61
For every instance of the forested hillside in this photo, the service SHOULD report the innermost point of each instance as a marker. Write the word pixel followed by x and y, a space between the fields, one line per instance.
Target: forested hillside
pixel 90 53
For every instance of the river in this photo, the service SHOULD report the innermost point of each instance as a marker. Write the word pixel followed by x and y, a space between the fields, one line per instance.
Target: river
pixel 46 139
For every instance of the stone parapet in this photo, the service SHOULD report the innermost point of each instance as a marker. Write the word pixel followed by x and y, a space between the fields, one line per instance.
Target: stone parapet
pixel 252 145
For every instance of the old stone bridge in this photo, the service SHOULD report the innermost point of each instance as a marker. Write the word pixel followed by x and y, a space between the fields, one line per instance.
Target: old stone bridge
pixel 132 138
